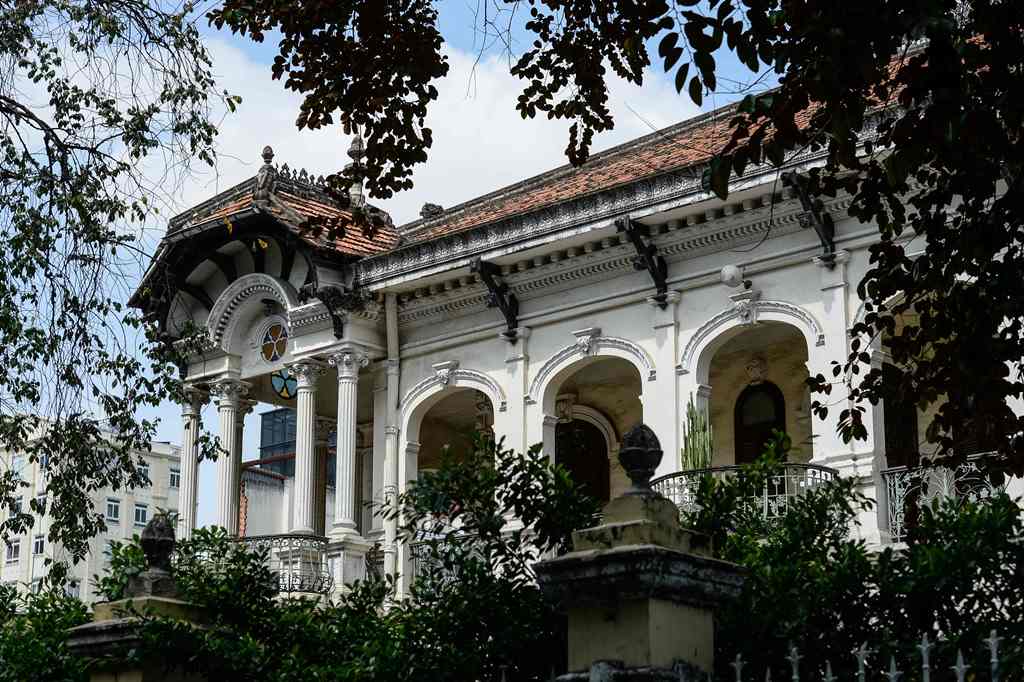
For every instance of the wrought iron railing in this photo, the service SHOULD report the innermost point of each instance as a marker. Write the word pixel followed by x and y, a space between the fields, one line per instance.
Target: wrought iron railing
pixel 908 489
pixel 298 561
pixel 778 491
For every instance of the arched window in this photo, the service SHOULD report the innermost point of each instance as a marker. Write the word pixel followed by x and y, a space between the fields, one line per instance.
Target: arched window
pixel 759 409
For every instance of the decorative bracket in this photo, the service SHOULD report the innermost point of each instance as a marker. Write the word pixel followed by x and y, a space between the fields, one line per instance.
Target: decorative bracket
pixel 647 258
pixel 499 295
pixel 340 301
pixel 814 216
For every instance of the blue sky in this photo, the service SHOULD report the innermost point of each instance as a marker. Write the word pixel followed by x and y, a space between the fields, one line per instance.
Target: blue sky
pixel 481 144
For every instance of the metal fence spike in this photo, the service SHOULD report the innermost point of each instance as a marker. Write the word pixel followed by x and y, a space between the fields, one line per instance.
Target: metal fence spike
pixel 993 650
pixel 768 675
pixel 794 661
pixel 829 677
pixel 960 668
pixel 862 658
pixel 894 674
pixel 925 648
pixel 737 665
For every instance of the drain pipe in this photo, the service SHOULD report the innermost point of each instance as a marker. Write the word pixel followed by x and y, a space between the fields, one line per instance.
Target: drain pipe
pixel 391 429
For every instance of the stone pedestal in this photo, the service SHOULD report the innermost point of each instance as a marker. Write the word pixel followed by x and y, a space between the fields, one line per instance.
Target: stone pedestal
pixel 116 626
pixel 639 590
pixel 350 560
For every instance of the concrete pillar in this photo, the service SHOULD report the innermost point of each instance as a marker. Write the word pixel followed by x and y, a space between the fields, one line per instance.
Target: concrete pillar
pixel 827 445
pixel 639 590
pixel 348 362
pixel 230 393
pixel 510 424
pixel 391 433
pixel 191 415
pixel 661 400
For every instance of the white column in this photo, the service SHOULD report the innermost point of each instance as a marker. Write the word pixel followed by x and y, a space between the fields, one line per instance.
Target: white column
pixel 189 464
pixel 510 420
pixel 306 374
pixel 324 428
pixel 827 444
pixel 348 361
pixel 229 393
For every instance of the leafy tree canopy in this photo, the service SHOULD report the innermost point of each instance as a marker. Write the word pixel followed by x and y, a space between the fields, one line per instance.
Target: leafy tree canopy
pixel 917 107
pixel 102 103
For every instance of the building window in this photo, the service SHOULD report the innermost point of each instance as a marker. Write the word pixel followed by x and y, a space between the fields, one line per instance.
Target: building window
pixel 113 509
pixel 72 589
pixel 38 545
pixel 760 409
pixel 141 514
pixel 175 478
pixel 277 433
pixel 17 464
pixel 41 504
pixel 275 342
pixel 16 507
pixel 13 551
pixel 144 470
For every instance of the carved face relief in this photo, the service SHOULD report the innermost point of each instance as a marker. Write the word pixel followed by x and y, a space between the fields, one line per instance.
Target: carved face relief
pixel 757 369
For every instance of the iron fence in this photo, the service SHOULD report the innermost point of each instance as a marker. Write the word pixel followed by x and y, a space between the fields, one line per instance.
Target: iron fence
pixel 778 491
pixel 908 489
pixel 988 667
pixel 298 561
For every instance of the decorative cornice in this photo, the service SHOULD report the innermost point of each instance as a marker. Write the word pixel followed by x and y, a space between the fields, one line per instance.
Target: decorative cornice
pixel 597 345
pixel 565 269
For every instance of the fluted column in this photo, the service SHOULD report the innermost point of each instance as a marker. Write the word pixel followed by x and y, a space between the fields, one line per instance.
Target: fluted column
pixel 191 411
pixel 324 428
pixel 306 373
pixel 230 393
pixel 390 492
pixel 348 361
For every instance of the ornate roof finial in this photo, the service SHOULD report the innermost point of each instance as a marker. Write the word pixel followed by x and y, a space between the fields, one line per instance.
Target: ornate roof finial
pixel 265 177
pixel 356 152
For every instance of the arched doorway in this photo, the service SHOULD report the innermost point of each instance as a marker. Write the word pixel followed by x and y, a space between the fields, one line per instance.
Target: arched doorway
pixel 582 449
pixel 591 402
pixel 760 410
pixel 450 423
pixel 758 381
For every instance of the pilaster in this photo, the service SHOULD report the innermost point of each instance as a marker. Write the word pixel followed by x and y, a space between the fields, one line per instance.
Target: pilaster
pixel 661 400
pixel 511 424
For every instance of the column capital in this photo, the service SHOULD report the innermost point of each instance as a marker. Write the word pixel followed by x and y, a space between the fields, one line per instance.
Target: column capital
pixel 392 366
pixel 391 430
pixel 229 391
pixel 349 361
pixel 306 373
pixel 195 398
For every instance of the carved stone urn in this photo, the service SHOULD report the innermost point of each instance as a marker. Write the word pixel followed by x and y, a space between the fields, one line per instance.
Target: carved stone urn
pixel 640 455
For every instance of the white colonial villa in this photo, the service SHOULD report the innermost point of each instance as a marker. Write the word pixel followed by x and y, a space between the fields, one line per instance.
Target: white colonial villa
pixel 562 310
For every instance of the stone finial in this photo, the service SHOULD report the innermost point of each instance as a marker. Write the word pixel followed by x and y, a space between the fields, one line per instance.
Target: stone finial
pixel 157 542
pixel 640 455
pixel 430 210
pixel 265 177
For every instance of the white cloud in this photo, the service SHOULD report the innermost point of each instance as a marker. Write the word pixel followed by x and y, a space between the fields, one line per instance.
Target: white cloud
pixel 480 144
pixel 480 141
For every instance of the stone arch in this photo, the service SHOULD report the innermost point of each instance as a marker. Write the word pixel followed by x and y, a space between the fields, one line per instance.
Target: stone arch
pixel 426 393
pixel 702 345
pixel 597 418
pixel 239 295
pixel 591 346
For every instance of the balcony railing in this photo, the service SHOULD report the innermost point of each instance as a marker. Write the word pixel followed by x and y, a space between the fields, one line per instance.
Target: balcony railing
pixel 910 487
pixel 778 491
pixel 298 561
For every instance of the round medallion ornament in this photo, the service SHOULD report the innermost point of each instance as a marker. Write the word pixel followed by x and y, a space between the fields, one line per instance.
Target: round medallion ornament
pixel 274 343
pixel 284 384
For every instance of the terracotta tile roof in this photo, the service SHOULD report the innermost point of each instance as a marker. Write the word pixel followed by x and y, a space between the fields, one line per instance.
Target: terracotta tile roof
pixel 293 209
pixel 353 243
pixel 685 144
